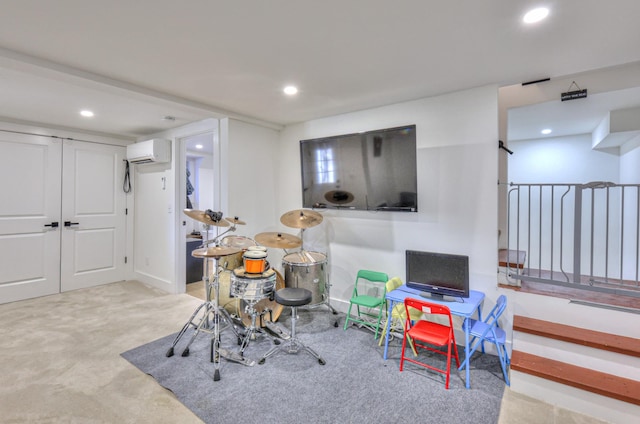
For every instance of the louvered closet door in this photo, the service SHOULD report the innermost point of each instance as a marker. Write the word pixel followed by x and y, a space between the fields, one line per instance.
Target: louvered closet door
pixel 93 212
pixel 30 186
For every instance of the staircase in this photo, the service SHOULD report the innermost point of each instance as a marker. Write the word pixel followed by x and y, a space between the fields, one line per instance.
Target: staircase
pixel 590 371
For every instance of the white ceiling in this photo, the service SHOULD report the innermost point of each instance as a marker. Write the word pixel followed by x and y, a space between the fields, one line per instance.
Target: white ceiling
pixel 135 62
pixel 580 116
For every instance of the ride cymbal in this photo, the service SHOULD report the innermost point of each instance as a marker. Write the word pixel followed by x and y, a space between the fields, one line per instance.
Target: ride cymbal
pixel 215 252
pixel 301 218
pixel 279 240
pixel 235 221
pixel 205 218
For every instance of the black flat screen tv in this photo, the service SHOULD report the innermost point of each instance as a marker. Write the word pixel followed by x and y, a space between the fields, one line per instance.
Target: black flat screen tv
pixel 373 170
pixel 437 275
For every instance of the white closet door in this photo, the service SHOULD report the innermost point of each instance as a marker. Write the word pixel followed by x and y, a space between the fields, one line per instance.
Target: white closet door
pixel 29 208
pixel 93 215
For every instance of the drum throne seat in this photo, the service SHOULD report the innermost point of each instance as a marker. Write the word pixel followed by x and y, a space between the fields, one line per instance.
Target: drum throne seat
pixel 292 297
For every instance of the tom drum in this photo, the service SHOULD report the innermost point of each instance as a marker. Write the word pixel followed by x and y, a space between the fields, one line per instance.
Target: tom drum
pixel 307 270
pixel 232 262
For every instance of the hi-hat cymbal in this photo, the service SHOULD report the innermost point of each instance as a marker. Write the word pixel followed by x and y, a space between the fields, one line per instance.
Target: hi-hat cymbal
pixel 203 217
pixel 301 218
pixel 215 252
pixel 279 240
pixel 236 221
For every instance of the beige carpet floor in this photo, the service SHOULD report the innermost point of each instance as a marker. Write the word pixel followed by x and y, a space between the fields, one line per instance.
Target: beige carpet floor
pixel 60 360
pixel 60 356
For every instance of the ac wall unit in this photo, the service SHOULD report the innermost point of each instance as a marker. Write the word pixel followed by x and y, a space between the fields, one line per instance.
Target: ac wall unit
pixel 156 150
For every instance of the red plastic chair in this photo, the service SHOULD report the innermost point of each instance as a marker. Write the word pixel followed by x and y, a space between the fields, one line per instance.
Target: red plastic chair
pixel 425 333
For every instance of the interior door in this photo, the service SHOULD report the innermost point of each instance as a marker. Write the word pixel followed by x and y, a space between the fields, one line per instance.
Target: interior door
pixel 30 185
pixel 93 215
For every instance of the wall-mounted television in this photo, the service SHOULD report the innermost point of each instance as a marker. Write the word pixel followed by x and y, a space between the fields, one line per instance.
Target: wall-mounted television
pixel 373 170
pixel 440 276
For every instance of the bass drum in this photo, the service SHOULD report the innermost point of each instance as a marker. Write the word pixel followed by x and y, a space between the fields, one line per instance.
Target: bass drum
pixel 236 306
pixel 307 270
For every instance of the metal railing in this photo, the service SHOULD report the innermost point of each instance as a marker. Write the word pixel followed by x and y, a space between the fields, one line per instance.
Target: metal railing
pixel 578 235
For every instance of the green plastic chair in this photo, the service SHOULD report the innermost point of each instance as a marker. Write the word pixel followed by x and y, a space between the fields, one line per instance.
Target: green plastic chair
pixel 369 298
pixel 398 313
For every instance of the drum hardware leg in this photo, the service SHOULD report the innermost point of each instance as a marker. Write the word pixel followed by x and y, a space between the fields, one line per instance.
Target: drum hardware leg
pixel 184 329
pixel 211 321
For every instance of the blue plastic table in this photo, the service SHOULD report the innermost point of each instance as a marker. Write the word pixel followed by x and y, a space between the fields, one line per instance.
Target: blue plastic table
pixel 464 307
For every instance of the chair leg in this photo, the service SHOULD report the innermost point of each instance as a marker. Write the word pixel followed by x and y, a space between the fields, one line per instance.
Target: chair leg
pixel 346 320
pixel 384 333
pixel 504 362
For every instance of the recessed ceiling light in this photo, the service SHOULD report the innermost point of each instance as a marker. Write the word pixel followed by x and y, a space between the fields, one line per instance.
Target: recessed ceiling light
pixel 546 131
pixel 535 15
pixel 290 90
pixel 199 146
pixel 86 113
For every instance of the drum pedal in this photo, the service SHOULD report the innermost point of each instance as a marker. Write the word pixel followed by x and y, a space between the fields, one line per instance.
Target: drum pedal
pixel 236 357
pixel 277 330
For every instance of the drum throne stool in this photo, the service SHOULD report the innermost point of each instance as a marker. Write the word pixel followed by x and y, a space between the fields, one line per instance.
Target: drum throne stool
pixel 293 297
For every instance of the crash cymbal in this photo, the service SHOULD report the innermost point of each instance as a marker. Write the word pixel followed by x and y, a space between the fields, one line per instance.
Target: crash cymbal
pixel 301 218
pixel 280 240
pixel 235 221
pixel 204 217
pixel 338 197
pixel 215 252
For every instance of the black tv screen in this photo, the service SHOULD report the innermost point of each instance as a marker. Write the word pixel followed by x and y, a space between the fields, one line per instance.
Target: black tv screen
pixel 373 170
pixel 438 274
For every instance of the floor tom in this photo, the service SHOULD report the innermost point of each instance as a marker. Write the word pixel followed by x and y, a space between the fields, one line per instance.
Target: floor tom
pixel 307 270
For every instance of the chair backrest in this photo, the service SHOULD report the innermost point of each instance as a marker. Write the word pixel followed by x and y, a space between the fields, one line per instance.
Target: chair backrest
pixel 427 308
pixel 496 312
pixel 374 276
pixel 394 283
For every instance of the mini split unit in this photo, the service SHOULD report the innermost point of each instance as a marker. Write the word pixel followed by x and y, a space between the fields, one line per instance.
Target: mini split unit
pixel 156 150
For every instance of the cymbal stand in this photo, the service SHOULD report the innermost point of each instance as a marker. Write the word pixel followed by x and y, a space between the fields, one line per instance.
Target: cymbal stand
pixel 204 324
pixel 251 331
pixel 217 237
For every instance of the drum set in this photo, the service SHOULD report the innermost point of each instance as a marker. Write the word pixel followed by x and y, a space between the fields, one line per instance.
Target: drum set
pixel 239 293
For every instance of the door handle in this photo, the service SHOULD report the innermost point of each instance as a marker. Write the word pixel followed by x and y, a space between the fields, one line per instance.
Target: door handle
pixel 52 225
pixel 69 223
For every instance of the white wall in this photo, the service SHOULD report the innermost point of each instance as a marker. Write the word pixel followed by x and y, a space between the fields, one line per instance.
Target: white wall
pixel 250 166
pixel 457 196
pixel 630 162
pixel 158 260
pixel 567 159
pixel 630 174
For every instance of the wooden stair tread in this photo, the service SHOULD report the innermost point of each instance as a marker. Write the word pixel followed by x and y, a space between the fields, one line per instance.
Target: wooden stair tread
pixel 604 384
pixel 511 258
pixel 582 336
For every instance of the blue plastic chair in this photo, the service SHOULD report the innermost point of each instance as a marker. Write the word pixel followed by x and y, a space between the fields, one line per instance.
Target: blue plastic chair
pixel 489 331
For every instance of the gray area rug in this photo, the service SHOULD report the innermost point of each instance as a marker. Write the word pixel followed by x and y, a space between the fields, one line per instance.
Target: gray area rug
pixel 356 385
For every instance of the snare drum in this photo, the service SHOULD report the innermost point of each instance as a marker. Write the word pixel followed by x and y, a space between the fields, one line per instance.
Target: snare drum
pixel 307 270
pixel 232 262
pixel 255 261
pixel 252 287
pixel 236 306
